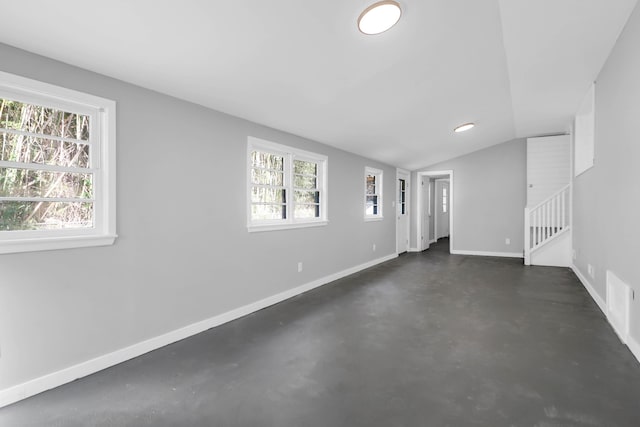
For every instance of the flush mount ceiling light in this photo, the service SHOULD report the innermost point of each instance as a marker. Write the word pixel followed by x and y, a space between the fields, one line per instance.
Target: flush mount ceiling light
pixel 379 17
pixel 464 127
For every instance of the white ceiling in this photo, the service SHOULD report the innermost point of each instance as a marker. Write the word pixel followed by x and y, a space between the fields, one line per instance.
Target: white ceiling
pixel 515 67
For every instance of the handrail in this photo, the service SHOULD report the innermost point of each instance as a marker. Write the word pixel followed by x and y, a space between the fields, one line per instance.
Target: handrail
pixel 553 237
pixel 563 189
pixel 546 221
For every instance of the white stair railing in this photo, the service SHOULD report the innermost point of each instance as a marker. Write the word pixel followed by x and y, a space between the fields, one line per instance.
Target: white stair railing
pixel 546 220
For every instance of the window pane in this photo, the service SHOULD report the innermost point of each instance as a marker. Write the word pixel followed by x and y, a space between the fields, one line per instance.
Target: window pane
pixel 304 182
pixel 267 195
pixel 37 183
pixel 267 177
pixel 262 212
pixel 30 149
pixel 26 215
pixel 306 211
pixel 39 119
pixel 267 160
pixel 307 196
pixel 305 168
pixel 371 184
pixel 372 205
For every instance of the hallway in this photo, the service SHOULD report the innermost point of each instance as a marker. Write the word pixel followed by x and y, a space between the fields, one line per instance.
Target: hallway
pixel 428 339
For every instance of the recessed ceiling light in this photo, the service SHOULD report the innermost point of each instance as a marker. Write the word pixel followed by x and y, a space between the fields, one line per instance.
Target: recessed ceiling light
pixel 464 127
pixel 379 17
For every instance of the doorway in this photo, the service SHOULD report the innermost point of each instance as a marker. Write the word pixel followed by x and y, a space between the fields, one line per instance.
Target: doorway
pixel 402 211
pixel 441 204
pixel 435 210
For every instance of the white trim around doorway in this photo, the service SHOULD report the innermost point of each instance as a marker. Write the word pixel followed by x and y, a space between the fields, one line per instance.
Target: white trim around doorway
pixel 420 210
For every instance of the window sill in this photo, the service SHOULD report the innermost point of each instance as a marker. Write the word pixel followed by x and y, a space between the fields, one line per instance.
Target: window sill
pixel 373 218
pixel 53 243
pixel 274 227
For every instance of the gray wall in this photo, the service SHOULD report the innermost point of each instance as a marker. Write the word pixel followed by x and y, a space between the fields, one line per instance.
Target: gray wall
pixel 607 197
pixel 184 253
pixel 489 196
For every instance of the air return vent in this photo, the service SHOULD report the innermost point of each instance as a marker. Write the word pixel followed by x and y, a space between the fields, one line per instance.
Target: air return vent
pixel 618 300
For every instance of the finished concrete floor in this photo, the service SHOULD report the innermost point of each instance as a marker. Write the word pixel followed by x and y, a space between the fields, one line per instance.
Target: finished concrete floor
pixel 428 339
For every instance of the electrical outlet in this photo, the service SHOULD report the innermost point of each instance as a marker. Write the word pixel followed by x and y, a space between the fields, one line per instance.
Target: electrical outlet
pixel 299 267
pixel 507 241
pixel 591 270
pixel 374 247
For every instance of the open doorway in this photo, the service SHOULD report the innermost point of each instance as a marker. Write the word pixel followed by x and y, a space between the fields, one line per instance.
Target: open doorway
pixel 435 208
pixel 440 206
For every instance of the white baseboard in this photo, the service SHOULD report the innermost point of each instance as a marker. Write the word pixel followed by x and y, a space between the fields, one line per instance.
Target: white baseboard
pixel 413 250
pixel 634 346
pixel 589 287
pixel 484 253
pixel 55 379
pixel 432 241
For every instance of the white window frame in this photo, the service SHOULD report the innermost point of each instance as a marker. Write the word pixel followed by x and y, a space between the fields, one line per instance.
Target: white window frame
pixel 102 114
pixel 290 154
pixel 445 200
pixel 379 175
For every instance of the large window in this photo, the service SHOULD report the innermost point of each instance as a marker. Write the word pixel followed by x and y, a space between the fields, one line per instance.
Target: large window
pixel 57 165
pixel 372 194
pixel 287 187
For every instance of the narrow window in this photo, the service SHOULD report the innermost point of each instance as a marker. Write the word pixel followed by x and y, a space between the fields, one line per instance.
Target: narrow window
pixel 444 199
pixel 402 196
pixel 373 194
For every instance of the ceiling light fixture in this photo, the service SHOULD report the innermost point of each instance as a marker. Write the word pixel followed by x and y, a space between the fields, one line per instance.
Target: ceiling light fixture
pixel 379 17
pixel 464 127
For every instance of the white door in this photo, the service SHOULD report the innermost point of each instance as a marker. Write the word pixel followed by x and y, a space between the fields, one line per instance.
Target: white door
pixel 425 213
pixel 442 208
pixel 402 207
pixel 548 167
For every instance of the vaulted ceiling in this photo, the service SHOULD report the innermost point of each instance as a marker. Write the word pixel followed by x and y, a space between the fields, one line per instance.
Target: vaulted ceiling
pixel 516 68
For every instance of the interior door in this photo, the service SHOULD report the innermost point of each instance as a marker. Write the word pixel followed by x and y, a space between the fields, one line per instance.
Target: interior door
pixel 402 229
pixel 442 208
pixel 425 212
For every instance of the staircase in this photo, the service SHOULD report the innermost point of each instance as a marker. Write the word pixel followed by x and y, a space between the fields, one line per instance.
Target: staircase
pixel 546 226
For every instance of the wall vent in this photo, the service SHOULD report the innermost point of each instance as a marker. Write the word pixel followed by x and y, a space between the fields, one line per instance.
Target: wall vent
pixel 618 303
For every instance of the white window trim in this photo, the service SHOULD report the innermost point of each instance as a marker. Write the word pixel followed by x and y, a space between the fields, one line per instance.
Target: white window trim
pixel 379 185
pixel 103 113
pixel 291 153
